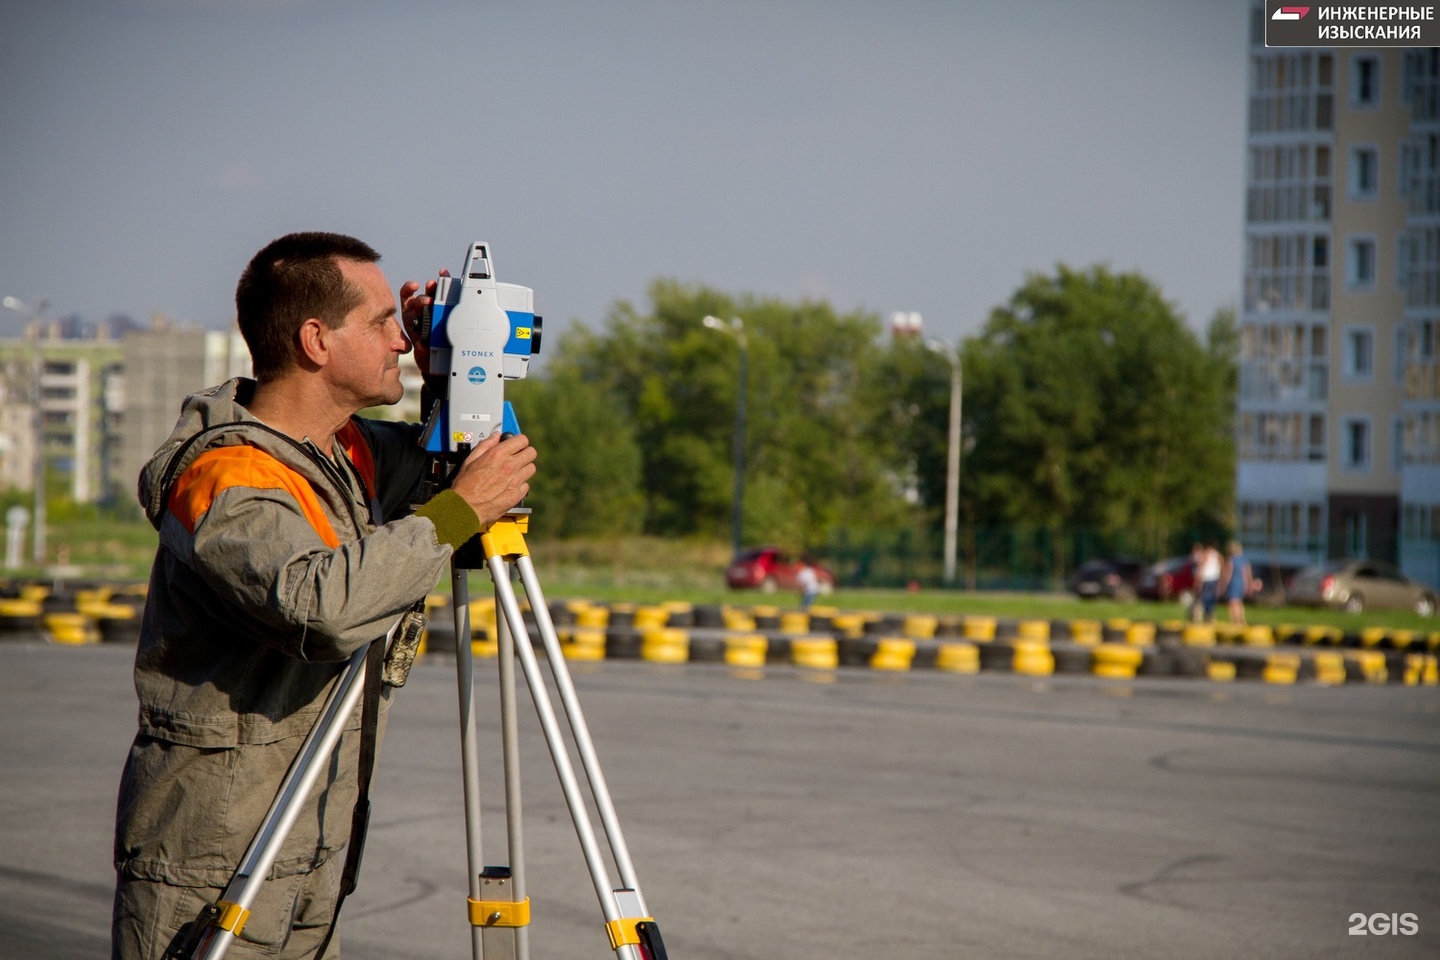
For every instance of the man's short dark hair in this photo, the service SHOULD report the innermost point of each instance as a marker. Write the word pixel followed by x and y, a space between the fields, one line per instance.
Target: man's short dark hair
pixel 292 279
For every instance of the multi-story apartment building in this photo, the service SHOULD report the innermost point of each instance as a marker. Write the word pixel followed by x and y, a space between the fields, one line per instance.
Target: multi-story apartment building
pixel 1337 330
pixel 162 367
pixel 1419 337
pixel 76 379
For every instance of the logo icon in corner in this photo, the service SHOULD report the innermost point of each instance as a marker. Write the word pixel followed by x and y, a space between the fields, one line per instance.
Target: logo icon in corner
pixel 477 375
pixel 1290 13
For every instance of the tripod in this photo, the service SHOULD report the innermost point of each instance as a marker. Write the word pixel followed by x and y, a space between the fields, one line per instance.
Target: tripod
pixel 498 904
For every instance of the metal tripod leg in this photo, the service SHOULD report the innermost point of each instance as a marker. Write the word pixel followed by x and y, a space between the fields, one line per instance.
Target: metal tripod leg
pixel 626 918
pixel 233 908
pixel 498 907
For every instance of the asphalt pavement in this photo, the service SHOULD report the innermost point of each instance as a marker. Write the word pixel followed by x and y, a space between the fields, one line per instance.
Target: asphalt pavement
pixel 793 813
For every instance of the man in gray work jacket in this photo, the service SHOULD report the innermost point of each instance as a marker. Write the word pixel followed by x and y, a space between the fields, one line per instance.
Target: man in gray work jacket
pixel 287 543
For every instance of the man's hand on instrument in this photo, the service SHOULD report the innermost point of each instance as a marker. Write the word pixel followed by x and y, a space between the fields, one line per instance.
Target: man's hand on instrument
pixel 496 475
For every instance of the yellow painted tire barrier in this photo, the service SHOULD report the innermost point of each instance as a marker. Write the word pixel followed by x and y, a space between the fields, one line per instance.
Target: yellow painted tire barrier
pixel 665 645
pixel 592 617
pixel 1220 670
pixel 920 626
pixel 1033 630
pixel 19 614
pixel 1258 636
pixel 1327 636
pixel 817 653
pixel 1369 664
pixel 1281 668
pixel 893 653
pixel 958 657
pixel 737 619
pixel 1329 667
pixel 1140 634
pixel 1116 661
pixel 978 628
pixel 73 629
pixel 793 622
pixel 1401 639
pixel 1088 632
pixel 1198 635
pixel 1229 632
pixel 649 617
pixel 747 650
pixel 1033 658
pixel 586 644
pixel 1421 669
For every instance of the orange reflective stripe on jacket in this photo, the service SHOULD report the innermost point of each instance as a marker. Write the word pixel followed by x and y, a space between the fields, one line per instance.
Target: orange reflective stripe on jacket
pixel 352 441
pixel 215 471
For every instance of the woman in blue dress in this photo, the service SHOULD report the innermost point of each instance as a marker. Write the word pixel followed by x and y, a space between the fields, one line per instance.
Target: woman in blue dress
pixel 1235 581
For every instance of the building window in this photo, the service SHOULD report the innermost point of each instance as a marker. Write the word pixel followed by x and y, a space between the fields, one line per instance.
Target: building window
pixel 1365 82
pixel 1397 444
pixel 1355 443
pixel 1359 354
pixel 1316 449
pixel 1360 265
pixel 1356 534
pixel 1364 172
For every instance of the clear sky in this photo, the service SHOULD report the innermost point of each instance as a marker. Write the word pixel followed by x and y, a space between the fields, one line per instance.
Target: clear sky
pixel 898 155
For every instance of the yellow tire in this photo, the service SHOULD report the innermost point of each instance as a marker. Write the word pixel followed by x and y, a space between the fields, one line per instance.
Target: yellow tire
pixel 665 645
pixel 747 650
pixel 893 653
pixel 958 658
pixel 817 653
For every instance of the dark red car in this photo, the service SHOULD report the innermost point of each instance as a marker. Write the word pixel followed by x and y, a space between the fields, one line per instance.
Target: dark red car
pixel 1172 579
pixel 769 569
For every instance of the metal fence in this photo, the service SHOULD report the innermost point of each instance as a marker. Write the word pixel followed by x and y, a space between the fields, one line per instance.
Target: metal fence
pixel 992 558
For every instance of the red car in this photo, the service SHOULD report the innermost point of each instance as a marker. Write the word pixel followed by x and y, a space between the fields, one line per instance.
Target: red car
pixel 1172 579
pixel 769 569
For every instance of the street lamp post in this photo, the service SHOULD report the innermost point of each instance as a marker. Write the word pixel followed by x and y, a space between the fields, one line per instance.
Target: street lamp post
pixel 952 466
pixel 736 329
pixel 37 423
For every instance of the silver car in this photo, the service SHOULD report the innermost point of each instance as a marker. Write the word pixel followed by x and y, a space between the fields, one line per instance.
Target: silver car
pixel 1358 585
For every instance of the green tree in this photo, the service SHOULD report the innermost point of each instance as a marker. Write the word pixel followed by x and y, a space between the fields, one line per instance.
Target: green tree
pixel 1092 404
pixel 587 481
pixel 810 463
pixel 908 400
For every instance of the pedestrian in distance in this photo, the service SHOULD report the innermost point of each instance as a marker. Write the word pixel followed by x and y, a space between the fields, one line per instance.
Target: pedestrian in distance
pixel 289 541
pixel 808 581
pixel 1207 572
pixel 1196 612
pixel 1236 581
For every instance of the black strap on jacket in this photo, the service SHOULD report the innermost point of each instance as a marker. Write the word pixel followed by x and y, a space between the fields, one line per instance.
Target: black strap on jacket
pixel 360 819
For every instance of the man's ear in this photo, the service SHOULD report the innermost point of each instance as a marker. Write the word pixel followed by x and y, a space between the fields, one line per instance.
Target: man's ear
pixel 314 342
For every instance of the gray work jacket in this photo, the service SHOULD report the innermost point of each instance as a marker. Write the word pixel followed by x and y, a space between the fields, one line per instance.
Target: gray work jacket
pixel 275 564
